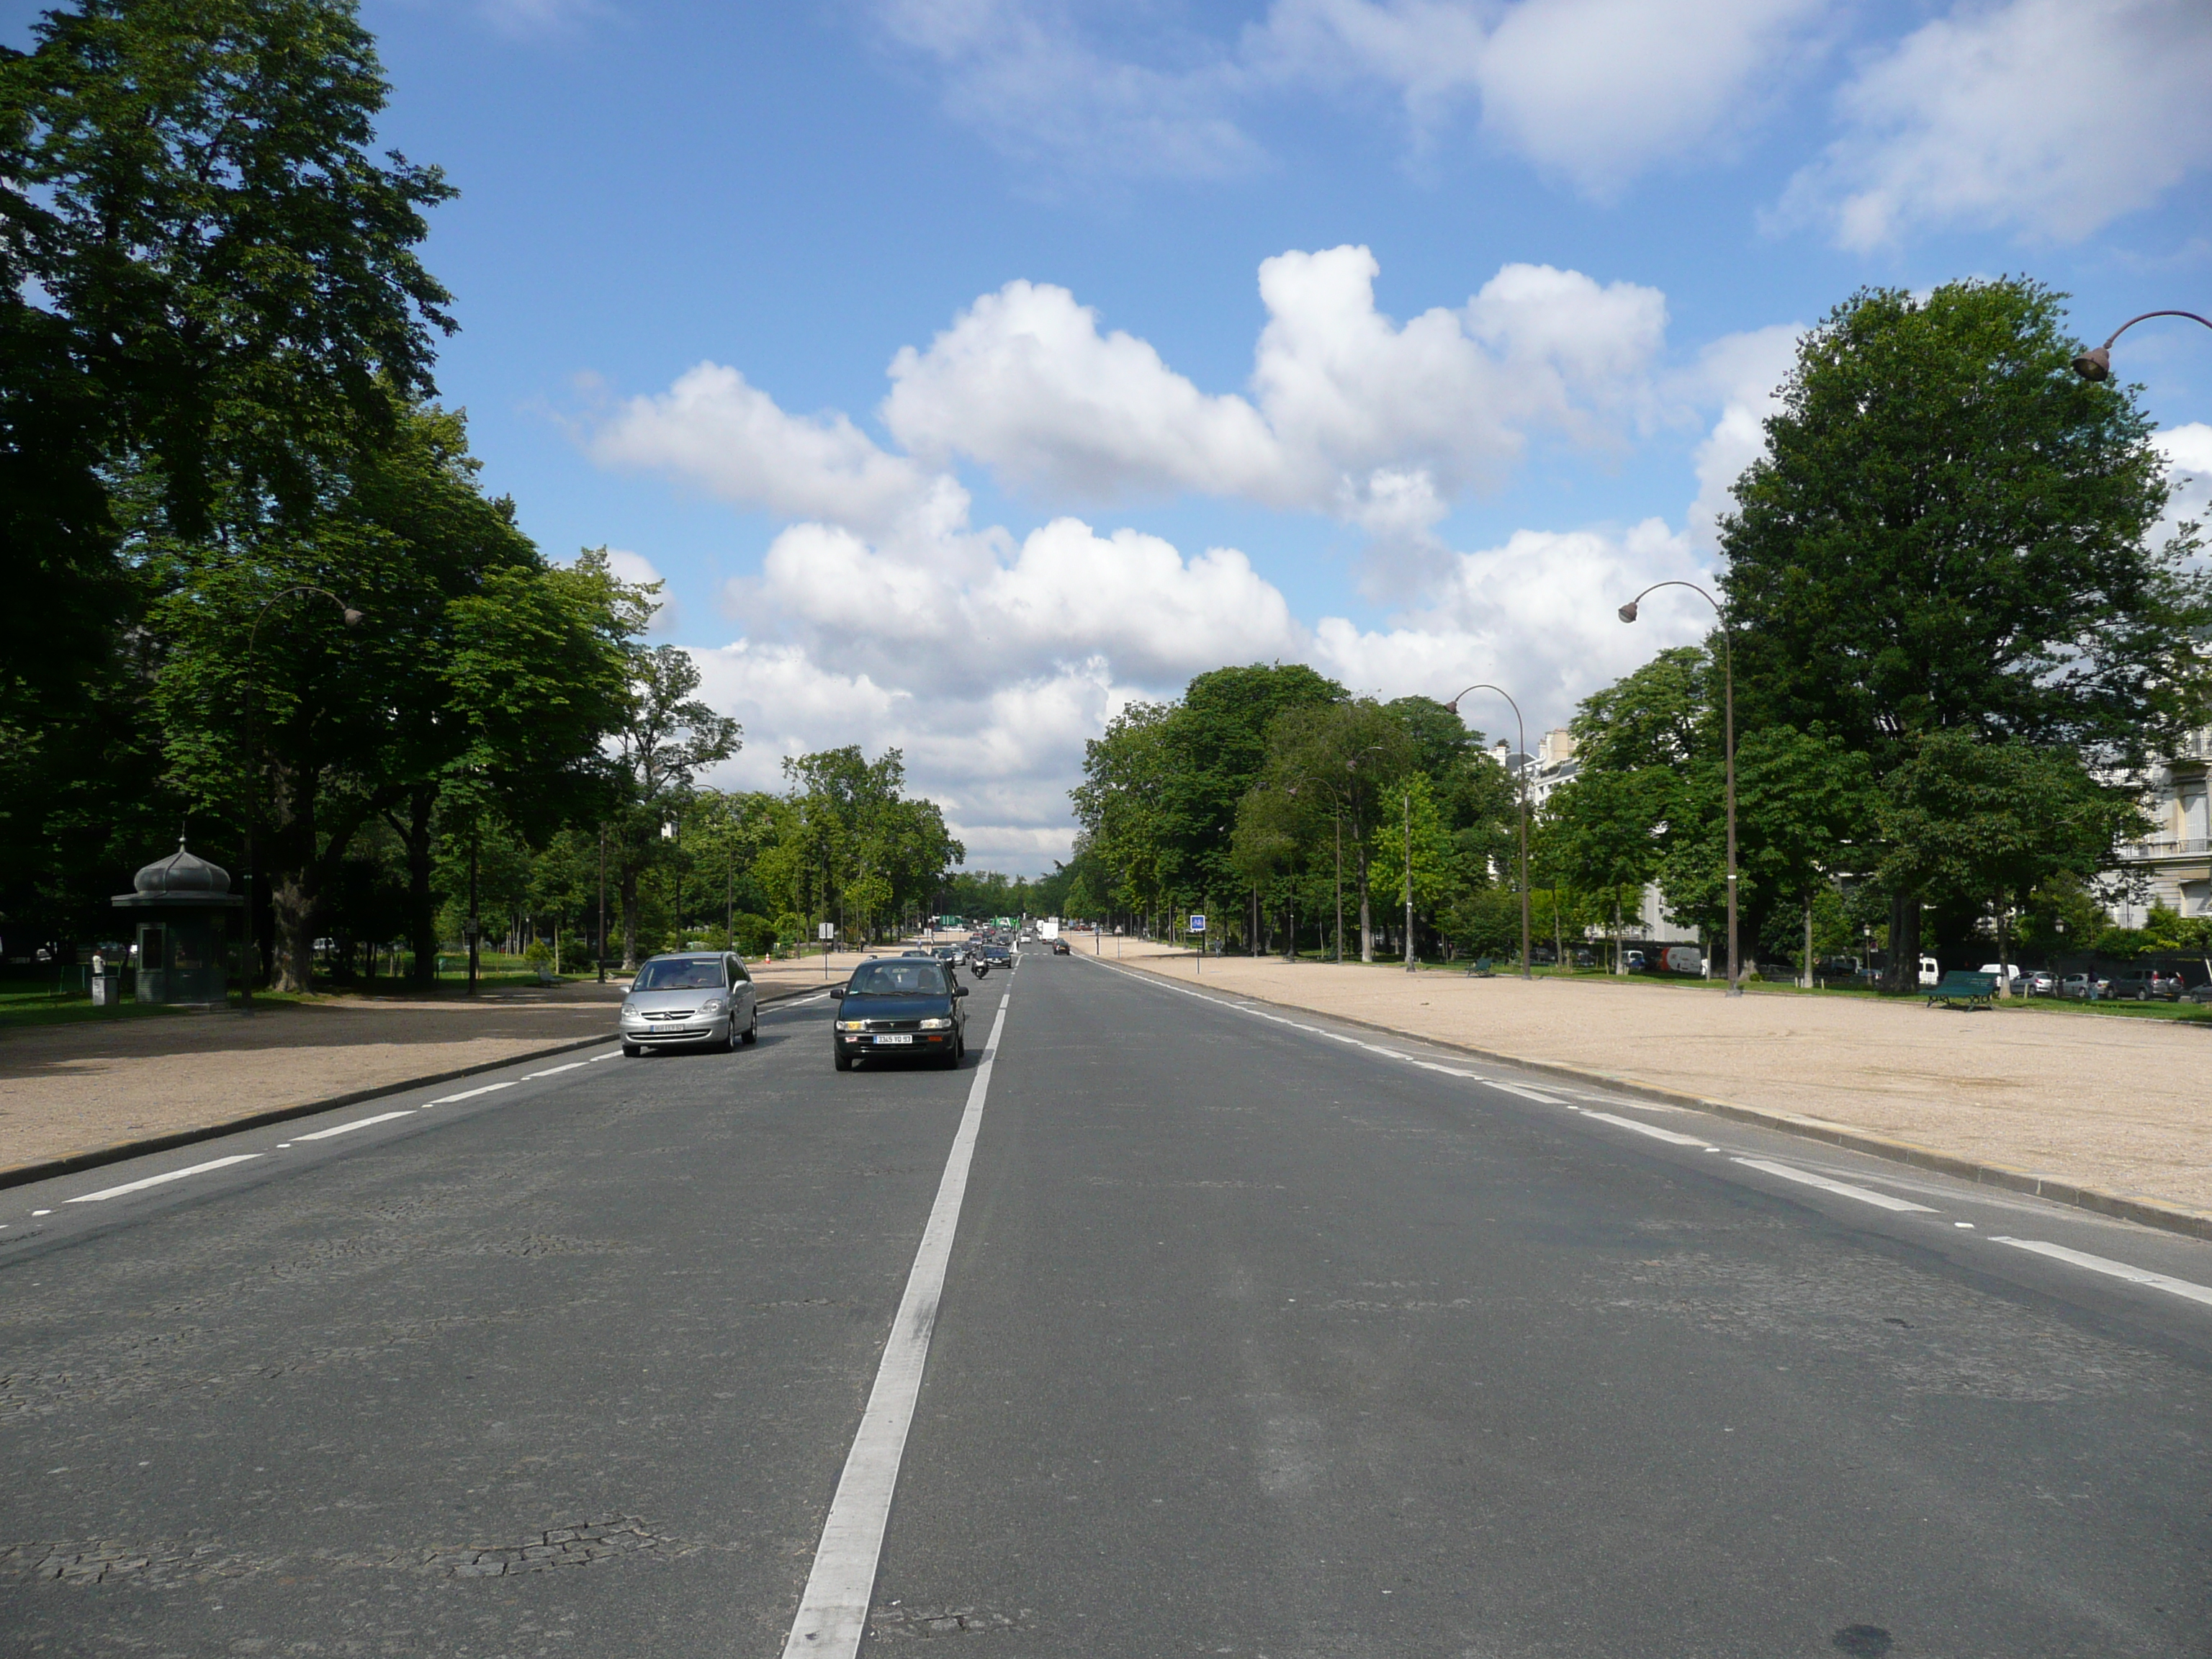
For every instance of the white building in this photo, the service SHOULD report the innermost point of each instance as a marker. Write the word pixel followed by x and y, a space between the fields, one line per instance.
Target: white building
pixel 2171 866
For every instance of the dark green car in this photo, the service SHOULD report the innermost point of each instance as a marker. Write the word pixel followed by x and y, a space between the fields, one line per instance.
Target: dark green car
pixel 904 1008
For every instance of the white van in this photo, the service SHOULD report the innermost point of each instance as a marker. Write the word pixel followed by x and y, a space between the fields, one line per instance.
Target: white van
pixel 1682 959
pixel 1929 973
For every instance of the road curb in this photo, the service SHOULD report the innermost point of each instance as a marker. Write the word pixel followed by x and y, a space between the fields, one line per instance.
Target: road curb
pixel 2124 1207
pixel 23 1175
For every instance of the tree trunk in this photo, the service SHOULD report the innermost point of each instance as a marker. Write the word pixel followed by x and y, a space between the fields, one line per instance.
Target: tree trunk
pixel 2004 951
pixel 628 889
pixel 1359 876
pixel 1902 978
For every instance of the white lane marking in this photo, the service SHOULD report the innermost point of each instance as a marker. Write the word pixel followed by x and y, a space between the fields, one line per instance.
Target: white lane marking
pixel 2097 1264
pixel 1842 1189
pixel 1525 1094
pixel 834 1611
pixel 1651 1129
pixel 160 1180
pixel 596 1058
pixel 42 1212
pixel 358 1123
pixel 554 1070
pixel 471 1094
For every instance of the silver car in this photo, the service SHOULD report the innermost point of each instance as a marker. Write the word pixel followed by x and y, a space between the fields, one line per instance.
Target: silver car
pixel 702 997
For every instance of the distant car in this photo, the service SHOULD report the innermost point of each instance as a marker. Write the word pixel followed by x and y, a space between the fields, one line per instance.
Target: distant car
pixel 2146 985
pixel 908 1008
pixel 680 1000
pixel 2082 987
pixel 1060 947
pixel 2042 983
pixel 993 956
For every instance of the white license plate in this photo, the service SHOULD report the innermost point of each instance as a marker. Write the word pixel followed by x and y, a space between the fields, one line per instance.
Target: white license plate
pixel 901 1038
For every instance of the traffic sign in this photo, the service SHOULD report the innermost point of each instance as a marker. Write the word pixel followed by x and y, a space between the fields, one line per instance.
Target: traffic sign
pixel 1197 922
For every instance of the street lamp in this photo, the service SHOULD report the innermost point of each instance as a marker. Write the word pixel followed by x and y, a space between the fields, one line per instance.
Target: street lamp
pixel 2096 363
pixel 1728 694
pixel 353 619
pixel 1521 776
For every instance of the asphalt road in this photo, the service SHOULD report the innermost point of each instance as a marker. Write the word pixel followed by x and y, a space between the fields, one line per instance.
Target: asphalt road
pixel 1256 1336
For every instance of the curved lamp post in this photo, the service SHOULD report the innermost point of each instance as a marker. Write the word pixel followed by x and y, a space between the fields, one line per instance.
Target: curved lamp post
pixel 353 619
pixel 2096 363
pixel 1728 694
pixel 1521 738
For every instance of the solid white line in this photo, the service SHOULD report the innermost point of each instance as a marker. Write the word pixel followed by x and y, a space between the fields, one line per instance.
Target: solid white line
pixel 1842 1189
pixel 554 1070
pixel 471 1094
pixel 1651 1129
pixel 156 1181
pixel 2097 1264
pixel 832 1614
pixel 358 1123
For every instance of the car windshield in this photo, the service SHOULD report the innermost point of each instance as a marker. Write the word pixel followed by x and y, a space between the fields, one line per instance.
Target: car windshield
pixel 904 978
pixel 680 974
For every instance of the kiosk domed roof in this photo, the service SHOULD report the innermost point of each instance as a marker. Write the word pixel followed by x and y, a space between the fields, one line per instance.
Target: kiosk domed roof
pixel 182 872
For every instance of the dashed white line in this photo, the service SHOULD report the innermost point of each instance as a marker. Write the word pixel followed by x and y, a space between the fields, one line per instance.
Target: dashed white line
pixel 471 1094
pixel 160 1180
pixel 1841 1189
pixel 2097 1264
pixel 1530 1094
pixel 833 1612
pixel 358 1123
pixel 1651 1129
pixel 556 1070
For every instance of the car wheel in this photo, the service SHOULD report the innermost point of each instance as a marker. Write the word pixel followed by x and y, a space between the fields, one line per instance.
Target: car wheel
pixel 729 1043
pixel 632 1050
pixel 844 1060
pixel 752 1031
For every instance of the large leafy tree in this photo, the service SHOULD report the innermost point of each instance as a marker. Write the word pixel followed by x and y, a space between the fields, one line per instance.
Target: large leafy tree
pixel 1950 532
pixel 1992 821
pixel 1349 758
pixel 667 737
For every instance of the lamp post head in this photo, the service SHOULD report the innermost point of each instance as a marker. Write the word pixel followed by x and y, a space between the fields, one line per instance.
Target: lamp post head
pixel 1452 707
pixel 1628 612
pixel 2094 364
pixel 353 618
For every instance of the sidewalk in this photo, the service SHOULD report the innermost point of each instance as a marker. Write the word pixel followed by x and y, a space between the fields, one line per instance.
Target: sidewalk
pixel 2119 1105
pixel 77 1090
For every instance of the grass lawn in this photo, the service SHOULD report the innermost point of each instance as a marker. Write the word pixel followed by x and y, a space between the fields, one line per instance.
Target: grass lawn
pixel 24 1005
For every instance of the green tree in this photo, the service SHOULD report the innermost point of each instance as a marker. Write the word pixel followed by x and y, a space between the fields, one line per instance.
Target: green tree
pixel 667 737
pixel 1349 757
pixel 1993 822
pixel 1949 531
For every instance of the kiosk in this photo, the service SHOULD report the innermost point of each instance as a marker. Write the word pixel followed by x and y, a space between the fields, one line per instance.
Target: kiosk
pixel 182 905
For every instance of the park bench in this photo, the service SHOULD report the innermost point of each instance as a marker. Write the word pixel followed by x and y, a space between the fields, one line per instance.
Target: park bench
pixel 1481 969
pixel 1959 988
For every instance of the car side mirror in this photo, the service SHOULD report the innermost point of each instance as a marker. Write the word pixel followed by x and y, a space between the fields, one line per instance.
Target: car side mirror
pixel 838 991
pixel 959 990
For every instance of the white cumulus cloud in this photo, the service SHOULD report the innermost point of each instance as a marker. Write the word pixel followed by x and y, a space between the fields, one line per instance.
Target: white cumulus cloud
pixel 2048 118
pixel 1597 91
pixel 1350 412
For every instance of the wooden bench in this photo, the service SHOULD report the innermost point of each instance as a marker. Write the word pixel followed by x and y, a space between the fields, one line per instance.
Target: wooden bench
pixel 1959 988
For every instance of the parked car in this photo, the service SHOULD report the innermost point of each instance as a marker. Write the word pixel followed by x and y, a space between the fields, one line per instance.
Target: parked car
pixel 2042 983
pixel 689 999
pixel 908 1008
pixel 2146 985
pixel 1929 973
pixel 2084 987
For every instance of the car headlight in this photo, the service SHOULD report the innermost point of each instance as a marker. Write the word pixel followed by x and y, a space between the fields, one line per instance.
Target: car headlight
pixel 852 1025
pixel 629 1009
pixel 937 1025
pixel 713 1007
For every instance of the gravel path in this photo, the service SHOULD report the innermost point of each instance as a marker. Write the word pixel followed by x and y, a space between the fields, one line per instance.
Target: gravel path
pixel 2112 1103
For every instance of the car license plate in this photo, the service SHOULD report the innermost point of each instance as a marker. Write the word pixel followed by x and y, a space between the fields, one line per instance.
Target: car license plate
pixel 901 1038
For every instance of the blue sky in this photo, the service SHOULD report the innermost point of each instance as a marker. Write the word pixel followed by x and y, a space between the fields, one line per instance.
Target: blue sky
pixel 1530 269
